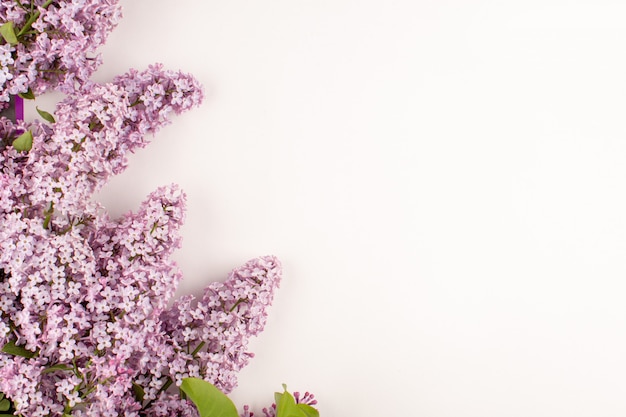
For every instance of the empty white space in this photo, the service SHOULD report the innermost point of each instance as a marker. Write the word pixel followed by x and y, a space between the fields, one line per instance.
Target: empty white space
pixel 444 182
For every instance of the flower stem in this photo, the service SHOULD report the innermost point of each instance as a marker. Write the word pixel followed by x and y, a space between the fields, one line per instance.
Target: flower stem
pixel 163 388
pixel 33 18
pixel 197 349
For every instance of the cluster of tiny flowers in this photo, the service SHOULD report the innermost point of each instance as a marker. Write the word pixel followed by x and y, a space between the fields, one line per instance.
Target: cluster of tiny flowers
pixel 215 329
pixel 85 327
pixel 57 43
pixel 5 60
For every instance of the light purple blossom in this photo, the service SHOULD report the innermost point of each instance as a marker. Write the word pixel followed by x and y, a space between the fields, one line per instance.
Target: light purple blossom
pixel 86 324
pixel 88 295
pixel 58 49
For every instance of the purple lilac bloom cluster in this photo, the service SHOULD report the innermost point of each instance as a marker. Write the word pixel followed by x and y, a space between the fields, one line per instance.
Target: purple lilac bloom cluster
pixel 56 43
pixel 85 327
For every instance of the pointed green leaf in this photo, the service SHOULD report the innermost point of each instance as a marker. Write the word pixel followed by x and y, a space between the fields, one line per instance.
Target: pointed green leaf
pixel 29 95
pixel 11 349
pixel 24 142
pixel 209 400
pixel 286 405
pixel 8 33
pixel 45 115
pixel 138 392
pixel 5 405
pixel 308 410
pixel 57 367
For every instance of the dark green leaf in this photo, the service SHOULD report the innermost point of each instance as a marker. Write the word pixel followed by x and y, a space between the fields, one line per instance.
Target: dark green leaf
pixel 24 142
pixel 5 405
pixel 209 400
pixel 8 33
pixel 57 367
pixel 11 349
pixel 29 95
pixel 139 392
pixel 45 115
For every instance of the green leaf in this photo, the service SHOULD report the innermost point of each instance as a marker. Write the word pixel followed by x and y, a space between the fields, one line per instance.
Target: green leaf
pixel 29 95
pixel 139 392
pixel 5 405
pixel 209 400
pixel 24 142
pixel 277 397
pixel 286 405
pixel 309 411
pixel 57 367
pixel 11 349
pixel 45 115
pixel 8 33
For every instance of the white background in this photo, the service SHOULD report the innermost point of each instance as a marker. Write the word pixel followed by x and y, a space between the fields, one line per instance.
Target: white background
pixel 443 181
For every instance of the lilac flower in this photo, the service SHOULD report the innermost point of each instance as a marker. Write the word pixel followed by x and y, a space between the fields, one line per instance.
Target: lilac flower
pixel 307 398
pixel 169 405
pixel 246 412
pixel 85 327
pixel 210 335
pixel 57 43
pixel 270 411
pixel 84 298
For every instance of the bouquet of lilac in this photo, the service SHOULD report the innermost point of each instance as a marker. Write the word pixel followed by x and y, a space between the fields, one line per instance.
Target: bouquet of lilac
pixel 86 327
pixel 52 44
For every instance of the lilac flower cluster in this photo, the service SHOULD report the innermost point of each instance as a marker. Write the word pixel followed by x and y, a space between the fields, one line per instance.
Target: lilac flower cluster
pixel 56 43
pixel 85 327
